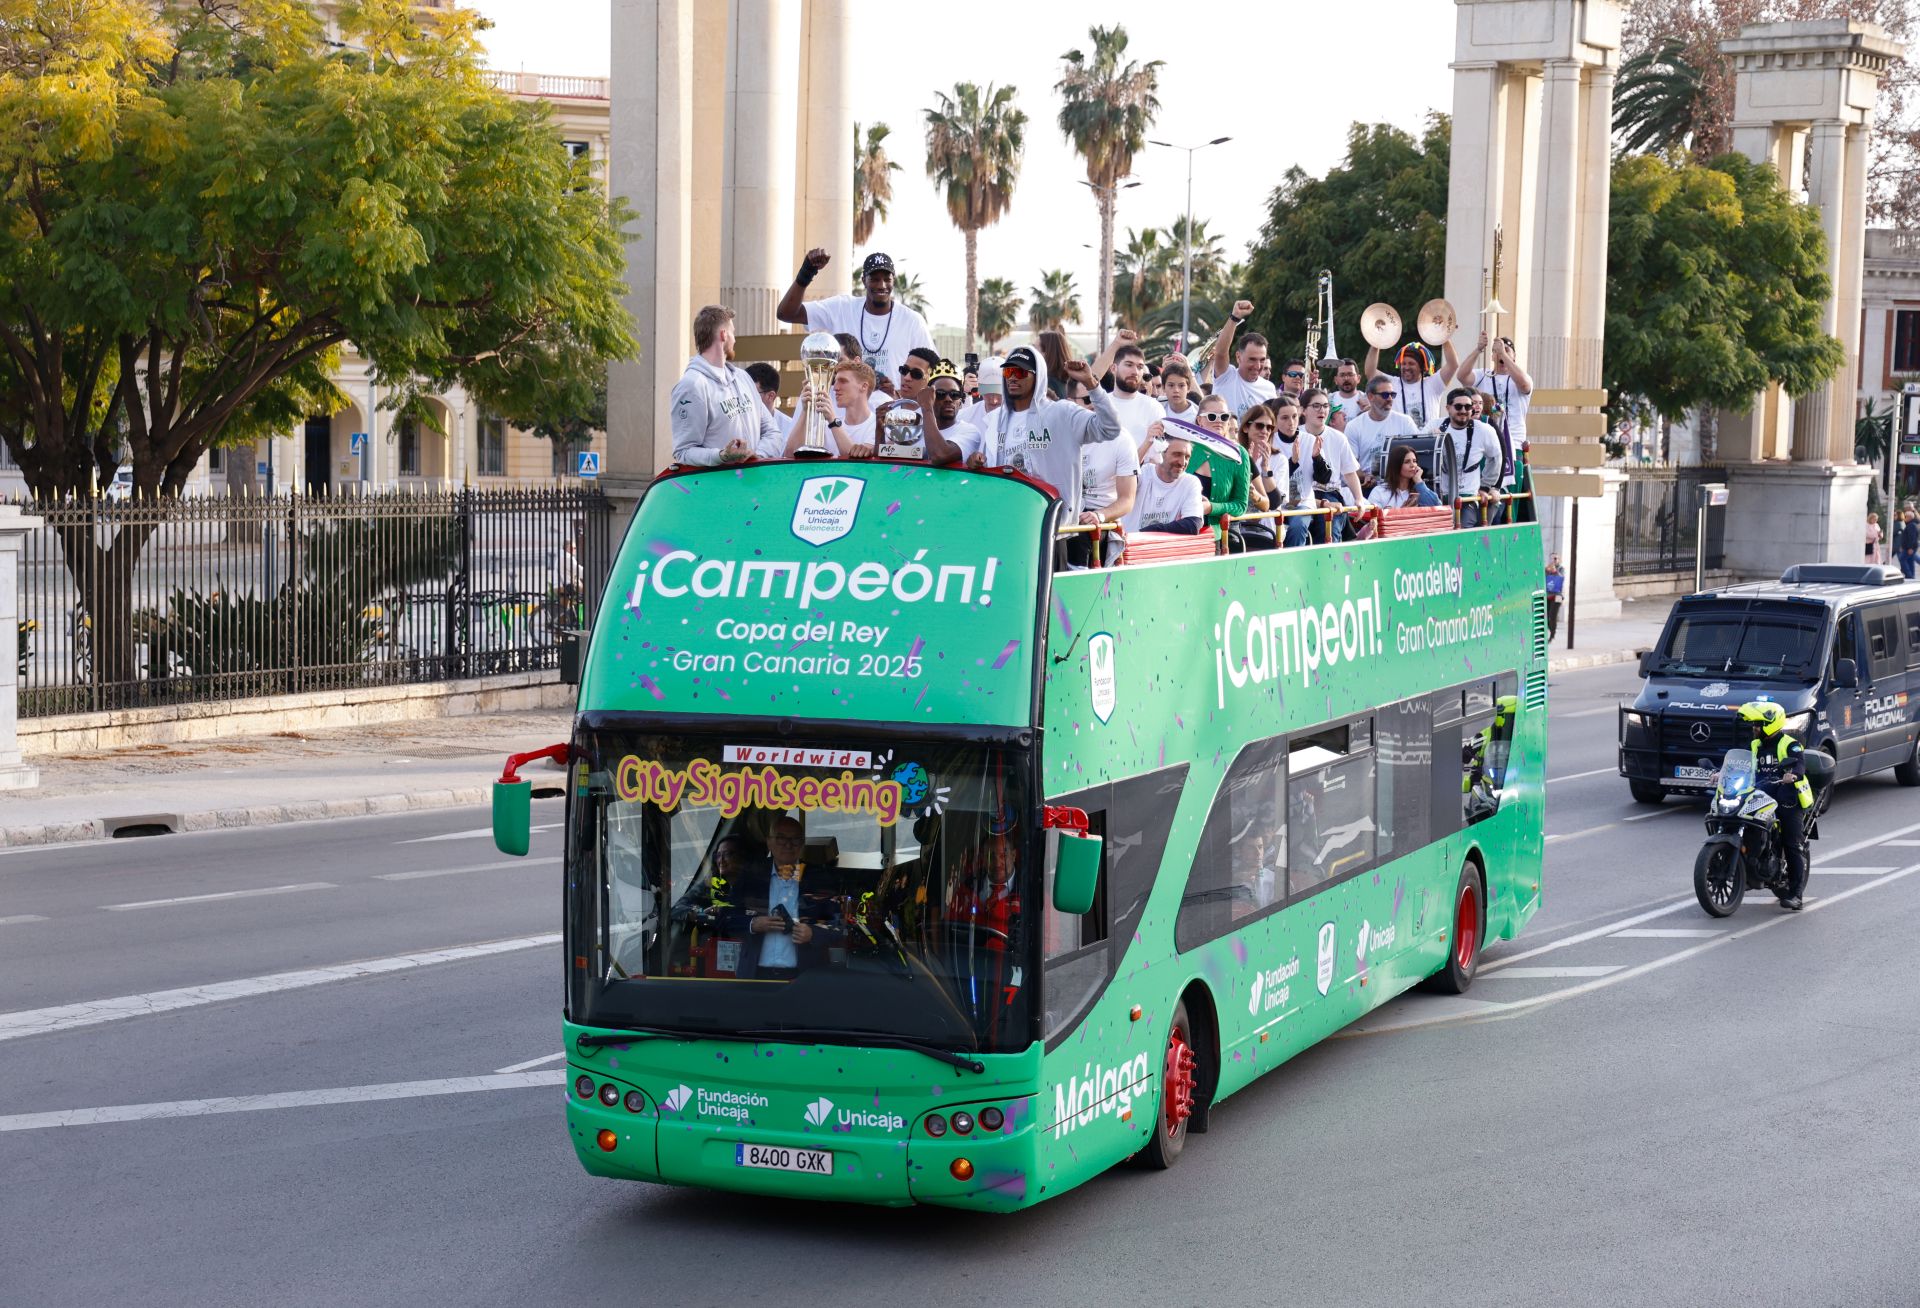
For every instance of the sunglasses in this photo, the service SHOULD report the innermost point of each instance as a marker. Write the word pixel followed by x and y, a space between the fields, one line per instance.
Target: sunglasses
pixel 1213 417
pixel 1014 372
pixel 1084 399
pixel 1293 372
pixel 1259 426
pixel 940 394
pixel 1461 408
pixel 1383 395
pixel 917 374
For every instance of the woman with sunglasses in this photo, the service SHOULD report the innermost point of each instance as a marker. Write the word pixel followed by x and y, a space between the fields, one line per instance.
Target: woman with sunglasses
pixel 1256 438
pixel 1404 485
pixel 1223 478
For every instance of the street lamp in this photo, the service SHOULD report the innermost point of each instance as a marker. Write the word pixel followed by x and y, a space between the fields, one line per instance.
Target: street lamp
pixel 1186 274
pixel 1106 271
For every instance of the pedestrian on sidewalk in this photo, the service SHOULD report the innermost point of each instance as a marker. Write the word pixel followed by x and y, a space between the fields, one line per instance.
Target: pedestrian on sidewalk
pixel 1556 584
pixel 1873 538
pixel 1907 542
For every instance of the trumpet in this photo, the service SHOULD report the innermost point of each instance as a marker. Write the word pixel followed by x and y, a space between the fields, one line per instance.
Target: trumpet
pixel 1332 356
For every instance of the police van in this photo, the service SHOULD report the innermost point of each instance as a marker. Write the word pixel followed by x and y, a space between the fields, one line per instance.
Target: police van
pixel 1836 645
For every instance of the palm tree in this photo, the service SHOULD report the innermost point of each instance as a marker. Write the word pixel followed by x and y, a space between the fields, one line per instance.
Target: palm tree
pixel 872 181
pixel 1142 275
pixel 1657 100
pixel 1105 112
pixel 974 141
pixel 1209 258
pixel 907 290
pixel 1056 301
pixel 999 310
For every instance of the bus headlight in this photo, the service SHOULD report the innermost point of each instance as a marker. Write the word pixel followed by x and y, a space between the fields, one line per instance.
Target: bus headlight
pixel 609 1094
pixel 584 1087
pixel 1799 724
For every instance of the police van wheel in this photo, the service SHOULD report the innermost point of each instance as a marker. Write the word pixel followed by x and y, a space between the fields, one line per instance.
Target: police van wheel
pixel 1179 1085
pixel 1646 792
pixel 1468 934
pixel 1908 773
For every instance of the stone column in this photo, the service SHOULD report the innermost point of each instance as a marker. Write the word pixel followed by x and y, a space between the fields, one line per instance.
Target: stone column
pixel 651 165
pixel 1596 191
pixel 1473 191
pixel 1557 231
pixel 825 214
pixel 14 526
pixel 1852 270
pixel 1826 184
pixel 757 208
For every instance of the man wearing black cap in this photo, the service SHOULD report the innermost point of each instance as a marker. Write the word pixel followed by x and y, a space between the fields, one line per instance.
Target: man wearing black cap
pixel 1043 437
pixel 887 331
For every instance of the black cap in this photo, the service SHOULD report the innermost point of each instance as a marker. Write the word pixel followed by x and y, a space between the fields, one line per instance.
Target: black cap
pixel 1022 357
pixel 877 263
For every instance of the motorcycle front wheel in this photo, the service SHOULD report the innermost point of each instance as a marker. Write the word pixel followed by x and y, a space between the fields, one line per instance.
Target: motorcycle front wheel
pixel 1719 879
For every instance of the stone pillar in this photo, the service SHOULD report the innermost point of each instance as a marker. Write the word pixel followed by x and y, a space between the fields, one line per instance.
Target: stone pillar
pixel 1852 270
pixel 1556 241
pixel 1826 191
pixel 1596 196
pixel 1474 187
pixel 651 165
pixel 757 210
pixel 825 214
pixel 14 526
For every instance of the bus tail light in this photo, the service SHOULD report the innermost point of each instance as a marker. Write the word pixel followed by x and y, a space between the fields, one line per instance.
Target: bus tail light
pixel 636 1102
pixel 991 1119
pixel 583 1086
pixel 962 1123
pixel 607 1140
pixel 936 1125
pixel 962 1170
pixel 609 1094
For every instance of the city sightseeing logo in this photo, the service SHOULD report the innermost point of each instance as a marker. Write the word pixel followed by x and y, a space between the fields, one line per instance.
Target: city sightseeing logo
pixel 677 1098
pixel 819 1111
pixel 826 508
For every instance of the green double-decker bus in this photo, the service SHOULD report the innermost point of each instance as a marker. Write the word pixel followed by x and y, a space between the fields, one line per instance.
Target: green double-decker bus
pixel 902 867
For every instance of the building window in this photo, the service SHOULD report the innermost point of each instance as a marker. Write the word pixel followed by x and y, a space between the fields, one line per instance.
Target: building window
pixel 216 460
pixel 577 149
pixel 409 448
pixel 493 446
pixel 1906 340
pixel 7 460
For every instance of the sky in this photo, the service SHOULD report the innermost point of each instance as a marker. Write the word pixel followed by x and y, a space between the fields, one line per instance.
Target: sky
pixel 1263 73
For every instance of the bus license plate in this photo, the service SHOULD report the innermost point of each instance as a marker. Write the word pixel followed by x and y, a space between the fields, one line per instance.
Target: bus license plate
pixel 817 1161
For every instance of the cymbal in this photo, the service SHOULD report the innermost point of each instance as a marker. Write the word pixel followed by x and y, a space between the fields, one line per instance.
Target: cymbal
pixel 1437 322
pixel 1380 325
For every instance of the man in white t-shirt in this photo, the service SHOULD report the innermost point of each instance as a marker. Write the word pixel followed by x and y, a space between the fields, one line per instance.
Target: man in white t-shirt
pixel 1420 390
pixel 1476 458
pixel 1109 484
pixel 1242 386
pixel 1511 391
pixel 1349 397
pixel 950 441
pixel 1137 410
pixel 885 329
pixel 1375 427
pixel 850 430
pixel 1170 498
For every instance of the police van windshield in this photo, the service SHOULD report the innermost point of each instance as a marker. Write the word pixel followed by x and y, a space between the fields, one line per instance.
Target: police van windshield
pixel 1763 646
pixel 745 885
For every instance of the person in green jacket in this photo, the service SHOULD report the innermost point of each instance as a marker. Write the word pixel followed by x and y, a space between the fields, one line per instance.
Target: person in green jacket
pixel 1226 479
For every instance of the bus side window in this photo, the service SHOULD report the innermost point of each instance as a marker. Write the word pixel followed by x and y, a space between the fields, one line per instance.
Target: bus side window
pixel 1330 816
pixel 1884 642
pixel 1403 737
pixel 1075 970
pixel 1239 867
pixel 1843 645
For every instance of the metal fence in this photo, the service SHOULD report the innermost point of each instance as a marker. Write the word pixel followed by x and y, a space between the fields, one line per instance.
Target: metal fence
pixel 1659 522
pixel 134 603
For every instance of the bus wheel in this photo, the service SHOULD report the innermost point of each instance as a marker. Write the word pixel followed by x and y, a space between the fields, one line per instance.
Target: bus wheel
pixel 1179 1083
pixel 1463 947
pixel 1646 792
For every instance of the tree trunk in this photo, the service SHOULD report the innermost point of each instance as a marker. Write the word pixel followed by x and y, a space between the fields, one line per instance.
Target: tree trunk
pixel 104 616
pixel 973 283
pixel 243 481
pixel 1106 261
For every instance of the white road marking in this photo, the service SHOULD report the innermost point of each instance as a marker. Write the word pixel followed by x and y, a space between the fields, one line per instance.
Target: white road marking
pixel 531 1062
pixel 353 1094
pixel 64 1017
pixel 1902 844
pixel 474 833
pixel 1668 811
pixel 1851 871
pixel 1555 973
pixel 1577 776
pixel 477 867
pixel 21 917
pixel 1586 713
pixel 1575 835
pixel 1666 933
pixel 225 894
pixel 1884 838
pixel 1585 936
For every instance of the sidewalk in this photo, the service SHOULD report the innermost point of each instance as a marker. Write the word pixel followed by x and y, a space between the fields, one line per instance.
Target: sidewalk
pixel 1618 640
pixel 387 767
pixel 396 766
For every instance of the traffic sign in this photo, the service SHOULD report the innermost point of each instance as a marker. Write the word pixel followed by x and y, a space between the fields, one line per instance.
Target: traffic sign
pixel 359 441
pixel 589 464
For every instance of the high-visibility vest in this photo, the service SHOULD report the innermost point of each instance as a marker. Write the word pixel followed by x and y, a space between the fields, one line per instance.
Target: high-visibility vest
pixel 1801 787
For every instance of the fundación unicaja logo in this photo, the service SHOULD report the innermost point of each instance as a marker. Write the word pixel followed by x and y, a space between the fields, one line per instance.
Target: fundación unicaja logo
pixel 677 1098
pixel 826 507
pixel 819 1111
pixel 1105 690
pixel 1253 1000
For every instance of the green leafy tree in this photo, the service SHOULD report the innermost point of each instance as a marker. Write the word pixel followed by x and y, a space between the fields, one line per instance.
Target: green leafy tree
pixel 1378 220
pixel 872 180
pixel 1715 286
pixel 999 311
pixel 1144 272
pixel 1873 434
pixel 1105 110
pixel 1056 301
pixel 207 201
pixel 1657 100
pixel 975 139
pixel 907 290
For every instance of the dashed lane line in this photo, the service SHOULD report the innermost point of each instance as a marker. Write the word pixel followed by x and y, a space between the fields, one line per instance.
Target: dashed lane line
pixel 352 1094
pixel 1884 838
pixel 471 833
pixel 531 1062
pixel 1555 973
pixel 19 918
pixel 1666 933
pixel 1607 929
pixel 1580 776
pixel 1850 871
pixel 456 871
pixel 225 894
pixel 65 1017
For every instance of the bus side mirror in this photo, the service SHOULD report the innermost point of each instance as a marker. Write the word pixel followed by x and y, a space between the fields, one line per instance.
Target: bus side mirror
pixel 1076 874
pixel 513 817
pixel 1846 674
pixel 1646 663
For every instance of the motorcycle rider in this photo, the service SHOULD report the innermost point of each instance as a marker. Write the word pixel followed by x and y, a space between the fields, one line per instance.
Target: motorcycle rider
pixel 1780 769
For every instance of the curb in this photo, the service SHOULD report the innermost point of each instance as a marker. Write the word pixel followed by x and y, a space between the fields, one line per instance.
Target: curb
pixel 259 815
pixel 1574 662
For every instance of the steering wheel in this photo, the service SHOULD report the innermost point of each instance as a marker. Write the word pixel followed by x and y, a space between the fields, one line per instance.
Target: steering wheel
pixel 973 931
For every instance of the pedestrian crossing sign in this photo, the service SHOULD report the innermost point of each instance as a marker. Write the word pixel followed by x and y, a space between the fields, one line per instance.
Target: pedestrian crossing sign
pixel 589 464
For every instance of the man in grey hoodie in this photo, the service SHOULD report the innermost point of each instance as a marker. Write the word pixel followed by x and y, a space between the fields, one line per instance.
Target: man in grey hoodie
pixel 1042 437
pixel 715 410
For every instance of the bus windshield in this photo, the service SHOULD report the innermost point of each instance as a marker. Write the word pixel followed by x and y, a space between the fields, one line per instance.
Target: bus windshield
pixel 747 887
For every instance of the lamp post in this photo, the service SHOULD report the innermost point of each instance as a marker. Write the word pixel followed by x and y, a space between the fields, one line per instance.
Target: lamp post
pixel 1186 273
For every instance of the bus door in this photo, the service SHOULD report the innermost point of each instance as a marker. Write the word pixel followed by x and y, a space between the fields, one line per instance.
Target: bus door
pixel 1846 712
pixel 1887 703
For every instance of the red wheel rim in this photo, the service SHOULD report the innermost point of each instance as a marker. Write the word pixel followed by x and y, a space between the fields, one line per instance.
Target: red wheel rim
pixel 1177 1101
pixel 1466 929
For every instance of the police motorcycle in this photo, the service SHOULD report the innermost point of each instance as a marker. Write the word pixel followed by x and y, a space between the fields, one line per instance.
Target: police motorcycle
pixel 1744 848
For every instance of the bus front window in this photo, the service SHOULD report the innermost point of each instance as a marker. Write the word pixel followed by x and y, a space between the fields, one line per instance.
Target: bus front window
pixel 749 887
